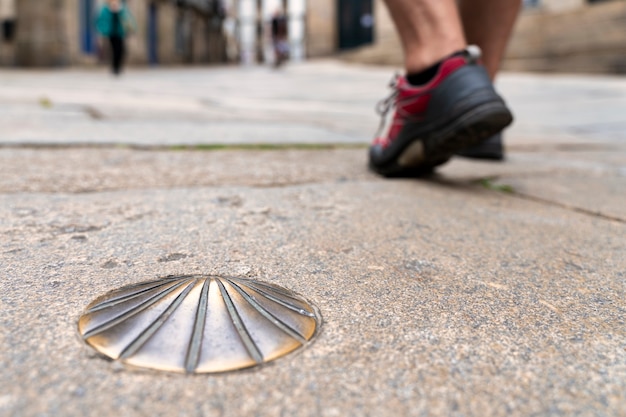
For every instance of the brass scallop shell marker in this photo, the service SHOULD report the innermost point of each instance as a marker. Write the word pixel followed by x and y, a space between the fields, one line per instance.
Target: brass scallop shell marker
pixel 198 323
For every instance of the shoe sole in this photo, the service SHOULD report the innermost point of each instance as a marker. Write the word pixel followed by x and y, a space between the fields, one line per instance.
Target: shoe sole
pixel 491 149
pixel 489 153
pixel 423 154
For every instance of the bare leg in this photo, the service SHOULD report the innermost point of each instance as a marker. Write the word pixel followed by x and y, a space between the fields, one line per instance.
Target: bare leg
pixel 488 24
pixel 429 30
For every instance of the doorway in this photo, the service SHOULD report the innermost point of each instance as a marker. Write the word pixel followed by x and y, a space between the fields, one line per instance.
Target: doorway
pixel 87 27
pixel 153 33
pixel 356 23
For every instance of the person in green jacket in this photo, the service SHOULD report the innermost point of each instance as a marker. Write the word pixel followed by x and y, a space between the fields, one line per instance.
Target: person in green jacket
pixel 115 23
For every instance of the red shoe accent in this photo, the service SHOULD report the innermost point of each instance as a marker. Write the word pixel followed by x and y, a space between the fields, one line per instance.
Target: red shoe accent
pixel 411 102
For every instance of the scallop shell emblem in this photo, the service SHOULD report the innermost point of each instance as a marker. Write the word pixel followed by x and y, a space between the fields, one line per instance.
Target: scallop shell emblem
pixel 198 323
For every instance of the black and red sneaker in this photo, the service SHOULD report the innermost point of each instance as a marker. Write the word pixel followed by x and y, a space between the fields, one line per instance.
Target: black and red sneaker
pixel 456 109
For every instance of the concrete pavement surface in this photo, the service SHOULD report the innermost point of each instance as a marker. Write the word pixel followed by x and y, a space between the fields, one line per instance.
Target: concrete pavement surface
pixel 490 289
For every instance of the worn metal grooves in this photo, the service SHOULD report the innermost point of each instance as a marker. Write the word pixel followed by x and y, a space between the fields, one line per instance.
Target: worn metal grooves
pixel 272 318
pixel 243 333
pixel 126 315
pixel 263 290
pixel 193 353
pixel 138 342
pixel 198 324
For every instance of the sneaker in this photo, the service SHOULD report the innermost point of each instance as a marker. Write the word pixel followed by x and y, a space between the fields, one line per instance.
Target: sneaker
pixel 429 123
pixel 490 149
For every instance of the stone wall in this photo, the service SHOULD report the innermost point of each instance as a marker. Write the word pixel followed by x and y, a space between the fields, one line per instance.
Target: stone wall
pixel 321 28
pixel 167 40
pixel 41 37
pixel 215 43
pixel 591 39
pixel 137 42
pixel 7 46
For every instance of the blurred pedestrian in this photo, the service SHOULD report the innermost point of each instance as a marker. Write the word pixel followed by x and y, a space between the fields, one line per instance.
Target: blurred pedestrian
pixel 279 37
pixel 445 103
pixel 115 23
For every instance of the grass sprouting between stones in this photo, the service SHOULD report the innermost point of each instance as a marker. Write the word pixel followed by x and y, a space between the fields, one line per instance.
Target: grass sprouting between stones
pixel 489 184
pixel 45 102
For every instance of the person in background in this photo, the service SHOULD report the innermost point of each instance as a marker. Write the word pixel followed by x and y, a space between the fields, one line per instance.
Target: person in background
pixel 115 23
pixel 279 37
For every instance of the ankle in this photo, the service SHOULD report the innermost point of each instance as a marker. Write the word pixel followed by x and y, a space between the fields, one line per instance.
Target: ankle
pixel 421 59
pixel 426 75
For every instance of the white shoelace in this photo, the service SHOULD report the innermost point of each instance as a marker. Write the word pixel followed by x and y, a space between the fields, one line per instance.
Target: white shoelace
pixel 384 105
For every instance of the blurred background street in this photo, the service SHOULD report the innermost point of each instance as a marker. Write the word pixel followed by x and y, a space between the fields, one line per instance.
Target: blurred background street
pixel 322 101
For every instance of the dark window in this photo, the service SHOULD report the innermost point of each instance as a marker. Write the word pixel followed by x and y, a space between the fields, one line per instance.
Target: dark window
pixel 356 23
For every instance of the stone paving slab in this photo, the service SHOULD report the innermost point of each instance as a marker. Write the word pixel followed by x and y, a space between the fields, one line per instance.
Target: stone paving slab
pixel 95 170
pixel 489 289
pixel 588 180
pixel 438 297
pixel 329 101
pixel 593 181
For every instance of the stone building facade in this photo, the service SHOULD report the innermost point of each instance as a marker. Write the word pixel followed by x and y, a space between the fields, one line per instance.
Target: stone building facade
pixel 51 33
pixel 551 35
pixel 7 30
pixel 570 36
